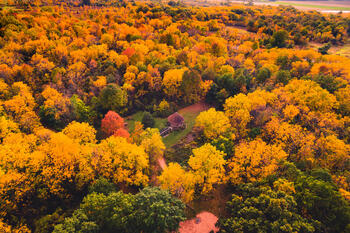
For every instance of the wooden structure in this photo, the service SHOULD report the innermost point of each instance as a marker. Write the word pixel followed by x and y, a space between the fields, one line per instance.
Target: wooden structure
pixel 164 132
pixel 176 121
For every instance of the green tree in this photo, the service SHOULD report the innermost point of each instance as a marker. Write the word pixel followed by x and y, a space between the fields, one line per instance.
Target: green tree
pixel 279 39
pixel 80 111
pixel 262 209
pixel 324 49
pixel 112 97
pixel 283 76
pixel 148 120
pixel 102 185
pixel 157 211
pixel 263 74
pixel 319 198
pixel 150 211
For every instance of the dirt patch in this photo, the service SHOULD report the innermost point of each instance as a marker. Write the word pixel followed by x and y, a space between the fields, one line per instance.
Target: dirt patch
pixel 203 223
pixel 195 108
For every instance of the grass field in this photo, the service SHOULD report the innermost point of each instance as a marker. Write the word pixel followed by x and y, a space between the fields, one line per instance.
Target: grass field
pixel 343 50
pixel 175 136
pixel 160 123
pixel 189 113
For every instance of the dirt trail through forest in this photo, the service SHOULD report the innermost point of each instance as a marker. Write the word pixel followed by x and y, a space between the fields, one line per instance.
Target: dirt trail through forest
pixel 162 163
pixel 204 222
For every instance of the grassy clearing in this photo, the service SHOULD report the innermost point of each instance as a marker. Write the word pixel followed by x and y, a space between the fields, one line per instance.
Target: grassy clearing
pixel 174 137
pixel 189 113
pixel 160 123
pixel 343 50
pixel 343 8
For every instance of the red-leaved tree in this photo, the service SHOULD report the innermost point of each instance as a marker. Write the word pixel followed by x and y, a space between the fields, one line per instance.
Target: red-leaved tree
pixel 111 123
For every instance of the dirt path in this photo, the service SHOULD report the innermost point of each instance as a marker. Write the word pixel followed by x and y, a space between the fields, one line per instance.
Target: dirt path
pixel 162 163
pixel 195 108
pixel 204 222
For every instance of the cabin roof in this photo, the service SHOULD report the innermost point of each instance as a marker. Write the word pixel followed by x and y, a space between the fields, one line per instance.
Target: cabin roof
pixel 176 120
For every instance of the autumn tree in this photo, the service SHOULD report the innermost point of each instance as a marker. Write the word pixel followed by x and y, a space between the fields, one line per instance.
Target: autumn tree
pixel 179 182
pixel 343 96
pixel 333 153
pixel 20 106
pixel 253 161
pixel 151 140
pixel 207 164
pixel 121 161
pixel 310 94
pixel 214 123
pixel 111 123
pixel 81 132
pixel 172 81
pixel 191 86
pixel 237 109
pixel 55 109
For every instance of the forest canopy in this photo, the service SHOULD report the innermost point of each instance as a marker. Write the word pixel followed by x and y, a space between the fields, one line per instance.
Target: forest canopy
pixel 86 89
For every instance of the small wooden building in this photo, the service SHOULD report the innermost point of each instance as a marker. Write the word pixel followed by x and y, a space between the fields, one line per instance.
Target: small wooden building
pixel 176 121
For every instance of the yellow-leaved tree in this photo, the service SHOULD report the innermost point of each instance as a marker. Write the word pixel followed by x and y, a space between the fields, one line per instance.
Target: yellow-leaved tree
pixel 333 153
pixel 21 107
pixel 214 123
pixel 253 161
pixel 343 96
pixel 207 164
pixel 237 109
pixel 82 133
pixel 121 161
pixel 307 93
pixel 179 182
pixel 152 142
pixel 172 82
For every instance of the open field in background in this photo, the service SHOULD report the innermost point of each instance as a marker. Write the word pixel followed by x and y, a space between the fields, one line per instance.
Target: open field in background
pixel 323 6
pixel 318 5
pixel 310 5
